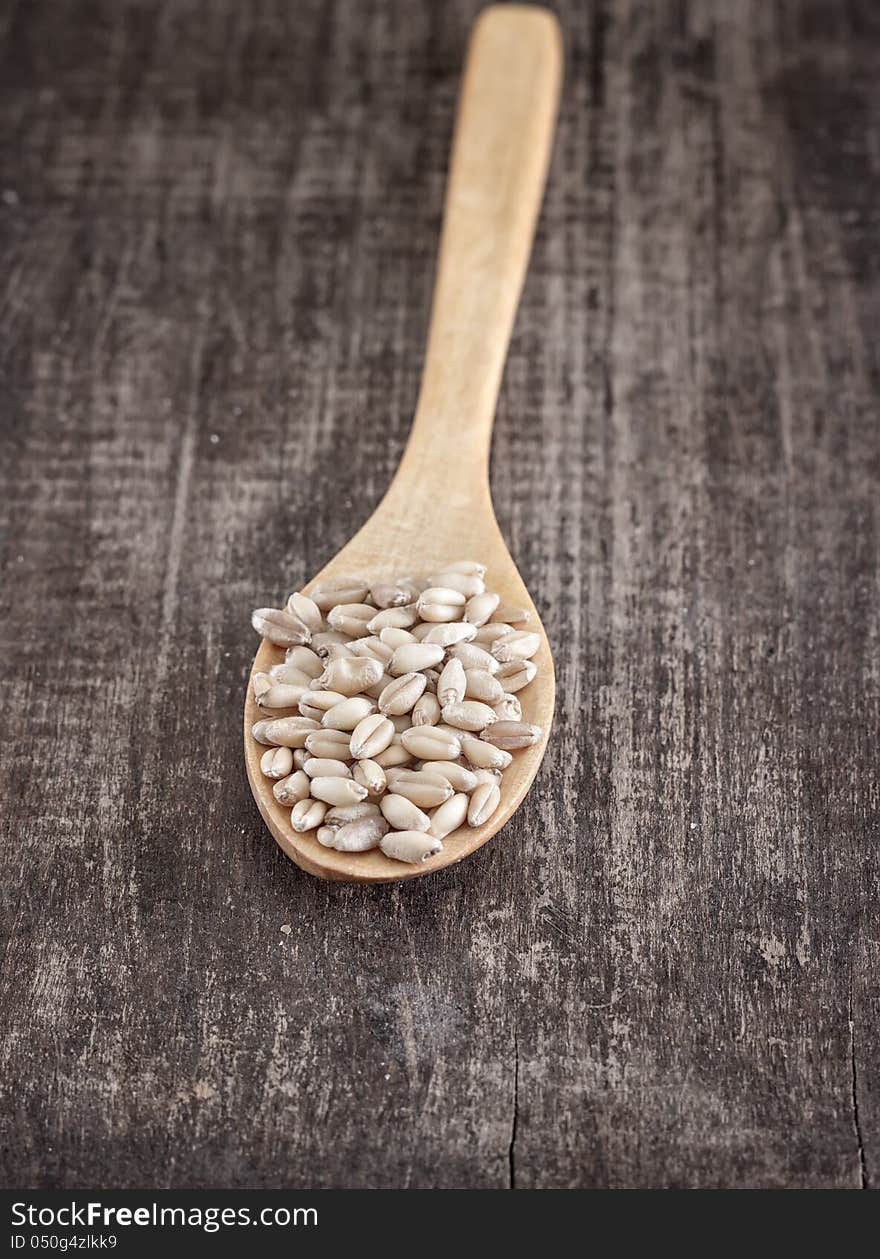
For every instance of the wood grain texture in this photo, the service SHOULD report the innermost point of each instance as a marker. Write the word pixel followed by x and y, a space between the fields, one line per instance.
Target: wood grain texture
pixel 665 972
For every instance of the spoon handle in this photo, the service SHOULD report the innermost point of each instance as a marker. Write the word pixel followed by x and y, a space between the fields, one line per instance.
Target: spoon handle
pixel 503 137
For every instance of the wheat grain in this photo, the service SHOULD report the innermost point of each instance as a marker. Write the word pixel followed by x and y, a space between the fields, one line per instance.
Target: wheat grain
pixel 423 789
pixel 512 735
pixel 290 790
pixel 334 790
pixel 402 814
pixel 307 815
pixel 307 610
pixel 280 627
pixel 449 816
pixel 452 683
pixel 411 846
pixel 371 776
pixel 326 767
pixel 347 714
pixel 360 835
pixel 371 736
pixel 406 694
pixel 284 732
pixel 399 696
pixel 484 800
pixel 431 743
pixel 277 762
pixel 469 714
pixel 426 711
pixel 339 590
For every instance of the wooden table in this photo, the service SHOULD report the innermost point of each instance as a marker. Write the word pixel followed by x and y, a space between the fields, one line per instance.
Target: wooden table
pixel 218 228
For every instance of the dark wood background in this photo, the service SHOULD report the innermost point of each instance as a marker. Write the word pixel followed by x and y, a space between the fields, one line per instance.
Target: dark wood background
pixel 219 224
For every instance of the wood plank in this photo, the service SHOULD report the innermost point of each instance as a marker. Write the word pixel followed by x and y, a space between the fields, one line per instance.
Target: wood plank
pixel 664 971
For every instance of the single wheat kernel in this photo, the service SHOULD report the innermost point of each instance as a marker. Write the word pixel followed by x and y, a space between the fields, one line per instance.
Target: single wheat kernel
pixel 324 642
pixel 323 700
pixel 423 790
pixel 394 638
pixel 480 684
pixel 479 608
pixel 276 762
pixel 400 695
pixel 284 732
pixel 305 659
pixel 289 791
pixel 339 590
pixel 280 627
pixel 459 777
pixel 484 800
pixel 326 767
pixel 414 656
pixel 396 593
pixel 361 835
pixel 262 684
pixel 467 584
pixel 332 743
pixel 517 645
pixel 440 612
pixel 338 790
pixel 282 696
pixel 441 594
pixel 307 610
pixel 350 618
pixel 410 846
pixel 372 735
pixel 452 683
pixel 508 708
pixel 371 776
pixel 307 815
pixel 511 614
pixel 393 618
pixel 426 711
pixel 340 814
pixel 447 633
pixel 474 657
pixel 430 743
pixel 469 714
pixel 393 755
pixel 402 814
pixel 450 816
pixel 287 675
pixel 516 674
pixel 486 634
pixel 511 735
pixel 345 716
pixel 349 675
pixel 484 755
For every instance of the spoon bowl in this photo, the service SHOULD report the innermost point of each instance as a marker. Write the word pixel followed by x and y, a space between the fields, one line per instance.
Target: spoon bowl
pixel 438 508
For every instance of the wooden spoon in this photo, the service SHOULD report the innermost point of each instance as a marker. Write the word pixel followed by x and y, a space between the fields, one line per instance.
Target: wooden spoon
pixel 438 508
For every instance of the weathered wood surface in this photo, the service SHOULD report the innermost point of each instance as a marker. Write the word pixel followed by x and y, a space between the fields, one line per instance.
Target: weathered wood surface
pixel 218 230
